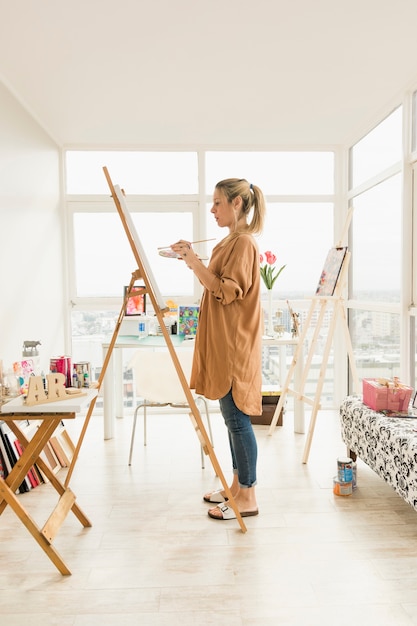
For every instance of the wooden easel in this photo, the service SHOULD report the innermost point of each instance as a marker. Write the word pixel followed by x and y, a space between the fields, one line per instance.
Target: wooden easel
pixel 144 274
pixel 338 313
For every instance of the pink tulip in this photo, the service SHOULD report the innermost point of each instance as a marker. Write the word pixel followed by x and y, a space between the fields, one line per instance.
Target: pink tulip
pixel 270 257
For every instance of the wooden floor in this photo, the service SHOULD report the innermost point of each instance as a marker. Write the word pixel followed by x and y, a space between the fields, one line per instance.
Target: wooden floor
pixel 154 558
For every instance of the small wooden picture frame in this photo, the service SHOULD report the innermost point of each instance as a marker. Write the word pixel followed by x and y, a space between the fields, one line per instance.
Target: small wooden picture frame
pixel 136 304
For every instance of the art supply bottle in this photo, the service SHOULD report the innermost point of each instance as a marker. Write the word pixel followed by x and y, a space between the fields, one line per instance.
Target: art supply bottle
pixel 11 387
pixel 74 377
pixel 153 324
pixel 86 380
pixel 143 326
pixel 141 330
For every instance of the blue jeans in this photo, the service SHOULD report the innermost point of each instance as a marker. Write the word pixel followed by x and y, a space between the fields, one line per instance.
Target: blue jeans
pixel 242 441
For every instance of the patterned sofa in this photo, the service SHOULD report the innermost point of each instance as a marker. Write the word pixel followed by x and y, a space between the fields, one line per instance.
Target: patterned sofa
pixel 387 444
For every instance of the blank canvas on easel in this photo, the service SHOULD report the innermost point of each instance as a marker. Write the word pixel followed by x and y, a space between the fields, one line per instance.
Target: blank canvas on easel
pixel 136 245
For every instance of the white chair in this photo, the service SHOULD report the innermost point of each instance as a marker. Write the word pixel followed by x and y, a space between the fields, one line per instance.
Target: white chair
pixel 157 384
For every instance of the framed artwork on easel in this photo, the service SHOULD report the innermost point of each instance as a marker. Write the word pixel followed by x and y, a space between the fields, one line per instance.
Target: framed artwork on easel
pixel 136 303
pixel 331 270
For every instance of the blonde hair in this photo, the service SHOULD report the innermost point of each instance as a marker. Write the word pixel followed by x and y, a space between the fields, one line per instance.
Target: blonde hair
pixel 252 199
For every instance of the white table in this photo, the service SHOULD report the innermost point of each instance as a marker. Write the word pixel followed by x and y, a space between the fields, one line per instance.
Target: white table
pixel 112 385
pixel 72 404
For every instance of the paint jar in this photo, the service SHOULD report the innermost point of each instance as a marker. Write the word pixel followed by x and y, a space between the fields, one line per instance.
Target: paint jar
pixel 341 488
pixel 83 373
pixel 344 469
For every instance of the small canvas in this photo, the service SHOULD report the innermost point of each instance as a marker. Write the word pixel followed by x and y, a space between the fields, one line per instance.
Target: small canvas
pixel 23 370
pixel 136 304
pixel 188 320
pixel 331 270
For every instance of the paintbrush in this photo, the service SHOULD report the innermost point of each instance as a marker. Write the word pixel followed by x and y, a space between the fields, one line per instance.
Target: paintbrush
pixel 198 241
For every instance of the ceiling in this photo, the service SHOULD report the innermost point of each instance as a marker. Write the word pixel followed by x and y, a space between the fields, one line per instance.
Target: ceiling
pixel 223 72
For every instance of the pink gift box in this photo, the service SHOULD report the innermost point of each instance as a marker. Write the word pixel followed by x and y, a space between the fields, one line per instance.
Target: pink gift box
pixel 379 397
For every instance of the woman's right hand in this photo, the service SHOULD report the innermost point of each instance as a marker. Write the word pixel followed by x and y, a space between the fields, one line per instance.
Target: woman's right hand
pixel 184 250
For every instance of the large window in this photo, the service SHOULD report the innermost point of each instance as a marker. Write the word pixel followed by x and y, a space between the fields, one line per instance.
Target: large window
pixel 169 197
pixel 283 173
pixel 298 232
pixel 376 337
pixel 104 260
pixel 376 258
pixel 377 249
pixel 136 172
pixel 300 235
pixel 378 150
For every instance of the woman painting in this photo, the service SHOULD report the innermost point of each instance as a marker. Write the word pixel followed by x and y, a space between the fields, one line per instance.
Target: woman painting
pixel 227 354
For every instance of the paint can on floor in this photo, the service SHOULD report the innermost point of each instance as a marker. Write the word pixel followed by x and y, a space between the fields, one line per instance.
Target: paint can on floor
pixel 341 488
pixel 344 469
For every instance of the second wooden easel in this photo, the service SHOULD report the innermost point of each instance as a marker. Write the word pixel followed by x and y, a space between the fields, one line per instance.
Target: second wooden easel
pixel 320 304
pixel 144 274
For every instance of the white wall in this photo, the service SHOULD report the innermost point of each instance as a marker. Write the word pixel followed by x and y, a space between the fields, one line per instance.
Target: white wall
pixel 31 235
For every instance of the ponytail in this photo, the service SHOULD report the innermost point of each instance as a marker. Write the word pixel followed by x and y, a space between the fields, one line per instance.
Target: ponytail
pixel 252 200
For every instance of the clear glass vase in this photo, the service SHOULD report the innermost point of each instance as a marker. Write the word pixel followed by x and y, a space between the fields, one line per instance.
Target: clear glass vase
pixel 270 315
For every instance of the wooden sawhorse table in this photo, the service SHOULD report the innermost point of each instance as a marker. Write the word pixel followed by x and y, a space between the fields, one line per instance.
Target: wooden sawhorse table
pixel 50 417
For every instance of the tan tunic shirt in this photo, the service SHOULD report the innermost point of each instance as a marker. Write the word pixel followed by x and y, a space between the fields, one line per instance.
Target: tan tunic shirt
pixel 227 352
